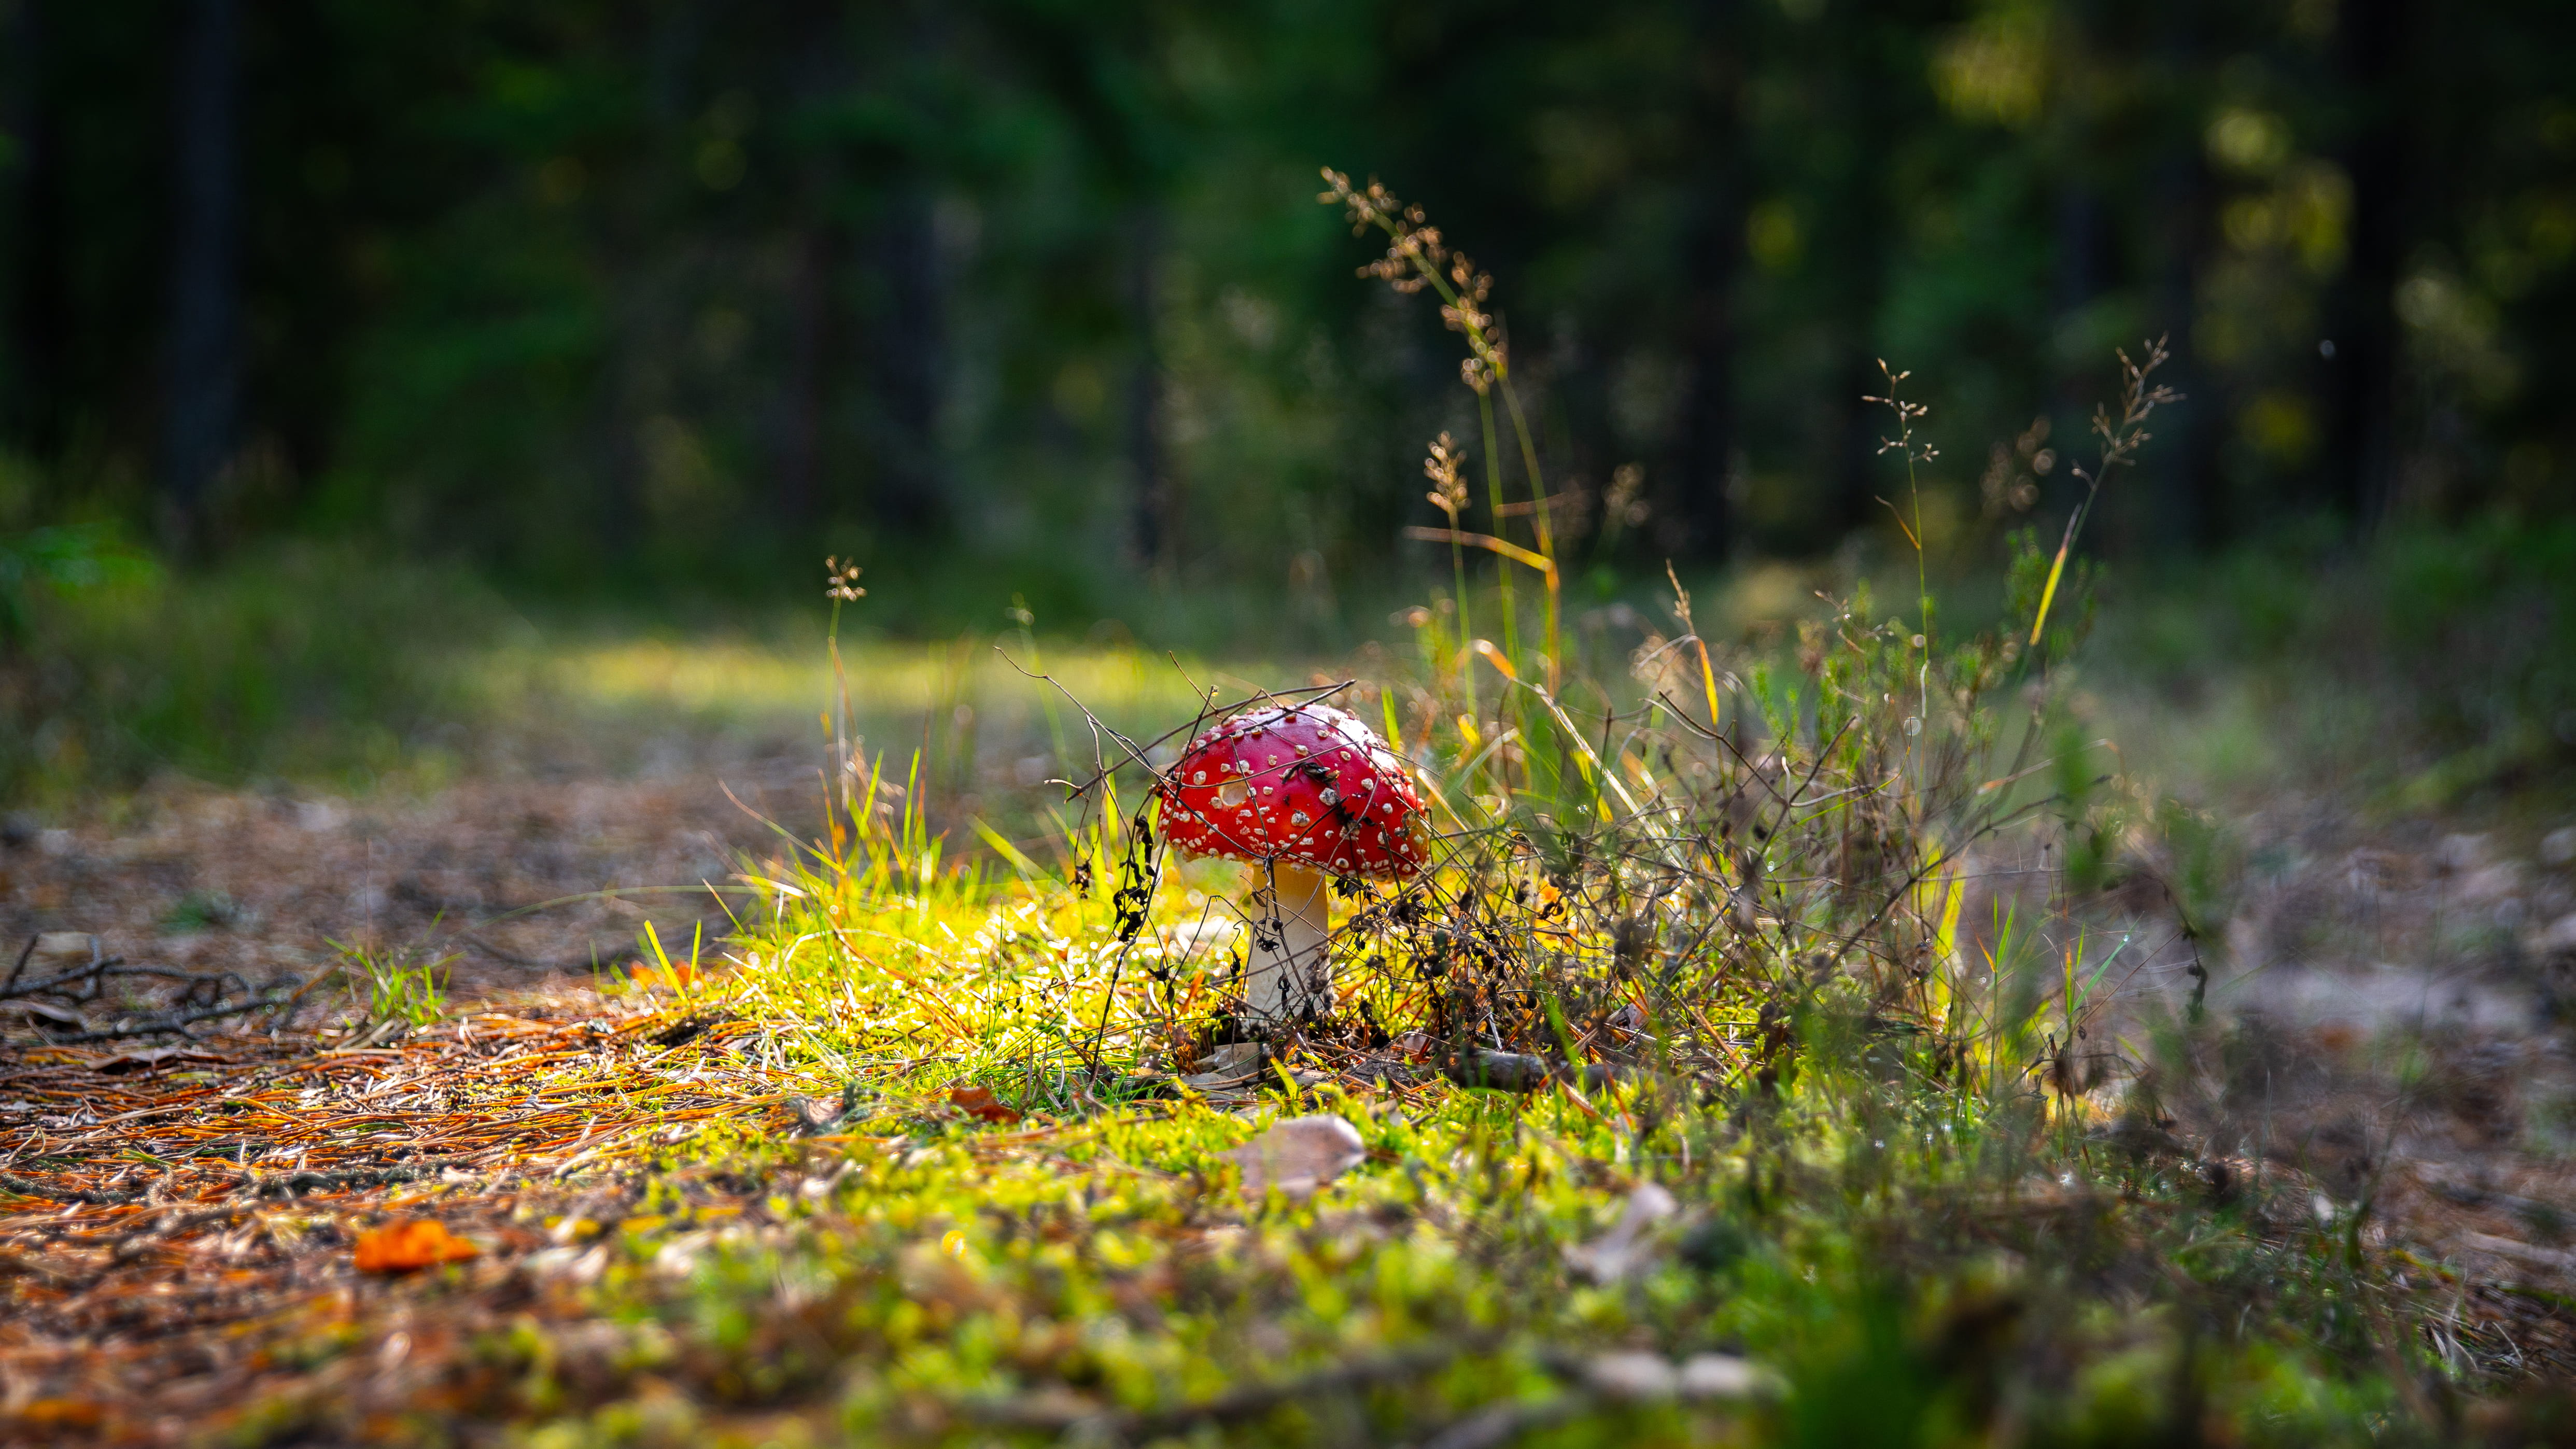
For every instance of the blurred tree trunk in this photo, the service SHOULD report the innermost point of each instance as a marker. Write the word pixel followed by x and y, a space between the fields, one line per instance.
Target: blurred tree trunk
pixel 2182 465
pixel 911 361
pixel 2082 270
pixel 202 384
pixel 1153 508
pixel 1099 65
pixel 2180 503
pixel 809 341
pixel 2361 349
pixel 633 386
pixel 39 334
pixel 1715 261
pixel 1859 222
pixel 817 76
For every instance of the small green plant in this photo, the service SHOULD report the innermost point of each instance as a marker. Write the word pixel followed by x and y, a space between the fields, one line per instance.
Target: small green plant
pixel 201 911
pixel 59 560
pixel 1417 258
pixel 386 988
pixel 2035 588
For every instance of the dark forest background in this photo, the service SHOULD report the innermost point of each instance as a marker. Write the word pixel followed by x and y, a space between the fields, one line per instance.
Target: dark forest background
pixel 1034 295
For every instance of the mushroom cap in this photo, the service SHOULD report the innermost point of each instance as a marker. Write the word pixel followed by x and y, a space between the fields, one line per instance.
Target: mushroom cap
pixel 1304 783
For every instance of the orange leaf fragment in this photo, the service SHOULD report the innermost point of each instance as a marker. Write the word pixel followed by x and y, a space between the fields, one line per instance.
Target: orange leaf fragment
pixel 53 1416
pixel 413 1243
pixel 979 1102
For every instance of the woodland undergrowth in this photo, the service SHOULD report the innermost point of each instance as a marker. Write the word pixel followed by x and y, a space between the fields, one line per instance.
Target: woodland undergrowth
pixel 1773 1053
pixel 1761 1007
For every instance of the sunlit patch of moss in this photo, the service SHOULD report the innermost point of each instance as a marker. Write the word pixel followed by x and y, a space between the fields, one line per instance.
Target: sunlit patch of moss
pixel 747 677
pixel 917 1282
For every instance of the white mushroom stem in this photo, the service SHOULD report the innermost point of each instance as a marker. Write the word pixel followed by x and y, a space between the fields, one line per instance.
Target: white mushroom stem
pixel 1292 914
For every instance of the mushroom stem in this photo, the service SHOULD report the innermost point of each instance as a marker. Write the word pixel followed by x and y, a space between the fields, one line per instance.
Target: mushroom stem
pixel 1293 909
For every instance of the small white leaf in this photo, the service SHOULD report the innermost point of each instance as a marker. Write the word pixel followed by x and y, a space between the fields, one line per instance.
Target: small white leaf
pixel 1707 1376
pixel 1298 1156
pixel 1626 1247
pixel 1632 1377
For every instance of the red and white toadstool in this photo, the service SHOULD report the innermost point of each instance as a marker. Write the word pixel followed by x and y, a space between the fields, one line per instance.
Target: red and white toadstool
pixel 1301 793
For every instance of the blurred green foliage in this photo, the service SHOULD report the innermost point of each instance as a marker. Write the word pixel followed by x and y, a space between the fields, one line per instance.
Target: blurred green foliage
pixel 296 660
pixel 2436 668
pixel 1014 301
pixel 611 296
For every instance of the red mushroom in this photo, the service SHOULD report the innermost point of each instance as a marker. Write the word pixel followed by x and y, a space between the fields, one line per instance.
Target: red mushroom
pixel 1300 792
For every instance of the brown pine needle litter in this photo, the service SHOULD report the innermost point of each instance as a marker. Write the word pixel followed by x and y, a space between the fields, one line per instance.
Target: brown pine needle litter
pixel 195 1241
pixel 177 1226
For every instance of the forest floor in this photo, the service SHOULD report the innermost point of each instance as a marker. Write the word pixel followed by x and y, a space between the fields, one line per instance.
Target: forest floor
pixel 628 1177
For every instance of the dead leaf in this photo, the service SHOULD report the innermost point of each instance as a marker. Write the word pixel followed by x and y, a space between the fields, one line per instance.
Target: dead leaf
pixel 1235 1064
pixel 55 1416
pixel 1231 1059
pixel 1632 1378
pixel 1298 1156
pixel 1708 1376
pixel 1626 1247
pixel 1651 1378
pixel 680 976
pixel 980 1103
pixel 56 951
pixel 414 1243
